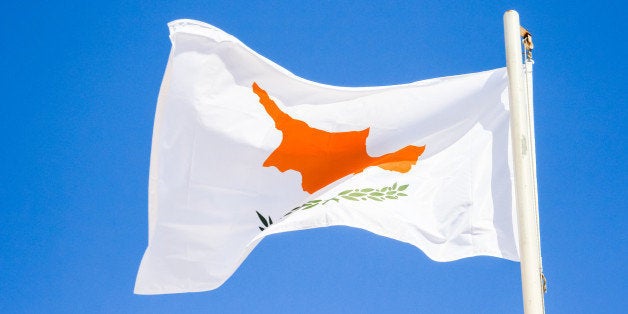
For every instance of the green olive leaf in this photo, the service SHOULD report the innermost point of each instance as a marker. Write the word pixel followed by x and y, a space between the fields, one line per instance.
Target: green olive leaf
pixel 262 219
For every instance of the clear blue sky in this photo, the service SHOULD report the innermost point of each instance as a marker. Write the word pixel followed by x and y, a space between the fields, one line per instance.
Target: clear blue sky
pixel 79 86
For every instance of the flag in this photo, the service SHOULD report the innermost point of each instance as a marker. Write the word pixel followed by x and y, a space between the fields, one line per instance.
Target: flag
pixel 242 148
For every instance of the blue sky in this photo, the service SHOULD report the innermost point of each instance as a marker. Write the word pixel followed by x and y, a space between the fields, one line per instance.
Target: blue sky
pixel 80 82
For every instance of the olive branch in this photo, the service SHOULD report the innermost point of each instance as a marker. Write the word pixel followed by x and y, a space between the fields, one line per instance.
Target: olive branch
pixel 355 195
pixel 385 193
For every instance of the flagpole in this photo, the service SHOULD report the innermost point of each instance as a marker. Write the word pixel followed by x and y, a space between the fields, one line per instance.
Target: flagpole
pixel 523 157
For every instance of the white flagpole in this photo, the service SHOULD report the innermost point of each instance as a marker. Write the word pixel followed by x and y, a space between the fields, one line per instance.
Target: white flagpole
pixel 524 166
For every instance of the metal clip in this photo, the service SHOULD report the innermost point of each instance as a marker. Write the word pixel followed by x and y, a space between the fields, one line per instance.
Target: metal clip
pixel 527 42
pixel 544 283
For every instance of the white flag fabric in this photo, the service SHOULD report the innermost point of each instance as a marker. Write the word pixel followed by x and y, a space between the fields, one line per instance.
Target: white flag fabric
pixel 242 148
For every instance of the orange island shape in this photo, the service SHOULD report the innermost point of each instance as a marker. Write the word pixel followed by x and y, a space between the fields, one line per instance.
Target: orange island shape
pixel 324 157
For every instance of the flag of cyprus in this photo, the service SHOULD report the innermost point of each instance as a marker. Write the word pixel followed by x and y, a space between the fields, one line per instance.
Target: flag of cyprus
pixel 242 148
